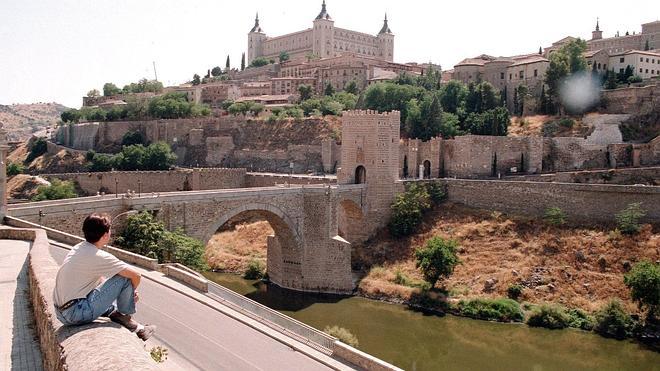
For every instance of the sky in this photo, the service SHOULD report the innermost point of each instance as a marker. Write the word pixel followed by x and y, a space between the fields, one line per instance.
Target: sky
pixel 56 51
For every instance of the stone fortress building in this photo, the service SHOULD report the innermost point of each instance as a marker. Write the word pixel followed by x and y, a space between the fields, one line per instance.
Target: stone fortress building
pixel 323 40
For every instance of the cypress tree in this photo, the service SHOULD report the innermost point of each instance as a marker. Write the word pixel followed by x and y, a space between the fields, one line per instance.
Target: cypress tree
pixel 243 62
pixel 227 62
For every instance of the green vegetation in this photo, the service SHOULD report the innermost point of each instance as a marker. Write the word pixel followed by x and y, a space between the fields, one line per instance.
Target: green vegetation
pixel 551 128
pixel 643 280
pixel 132 137
pixel 284 56
pixel 14 168
pixel 57 190
pixel 613 321
pixel 166 106
pixel 142 86
pixel 429 110
pixel 437 259
pixel 342 334
pixel 504 310
pixel 569 59
pixel 554 216
pixel 156 156
pixel 255 270
pixel 409 207
pixel 146 236
pixel 549 316
pixel 259 62
pixel 37 148
pixel 158 354
pixel 243 108
pixel 580 319
pixel 628 219
pixel 514 291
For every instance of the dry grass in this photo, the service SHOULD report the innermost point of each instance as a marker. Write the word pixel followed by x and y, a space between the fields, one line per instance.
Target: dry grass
pixel 232 250
pixel 578 267
pixel 528 125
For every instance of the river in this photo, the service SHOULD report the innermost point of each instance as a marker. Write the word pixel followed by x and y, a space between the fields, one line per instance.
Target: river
pixel 417 341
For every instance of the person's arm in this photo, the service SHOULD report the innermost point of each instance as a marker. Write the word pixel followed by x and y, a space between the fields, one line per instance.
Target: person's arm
pixel 132 275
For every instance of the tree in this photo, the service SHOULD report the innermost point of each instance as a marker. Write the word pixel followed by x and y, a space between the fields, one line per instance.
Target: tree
pixel 453 94
pixel 93 93
pixel 284 56
pixel 259 62
pixel 72 115
pixel 132 137
pixel 540 51
pixel 644 284
pixel 329 89
pixel 611 80
pixel 131 158
pixel 352 87
pixel 305 92
pixel 569 59
pixel 196 79
pixel 216 71
pixel 158 156
pixel 347 100
pixel 57 190
pixel 243 62
pixel 627 219
pixel 227 64
pixel 110 89
pixel 437 259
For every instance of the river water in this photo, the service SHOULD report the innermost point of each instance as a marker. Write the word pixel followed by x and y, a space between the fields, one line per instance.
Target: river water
pixel 417 341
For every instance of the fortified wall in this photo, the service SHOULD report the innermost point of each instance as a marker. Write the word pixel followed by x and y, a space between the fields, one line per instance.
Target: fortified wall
pixel 181 180
pixel 219 141
pixel 635 100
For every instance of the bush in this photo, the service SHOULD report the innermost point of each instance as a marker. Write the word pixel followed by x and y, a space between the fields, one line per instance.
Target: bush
pixel 57 190
pixel 437 259
pixel 37 148
pixel 505 310
pixel 436 192
pixel 342 334
pixel 628 219
pixel 580 319
pixel 131 138
pixel 613 321
pixel 146 236
pixel 643 280
pixel 408 209
pixel 554 216
pixel 255 270
pixel 549 316
pixel 157 156
pixel 14 168
pixel 514 291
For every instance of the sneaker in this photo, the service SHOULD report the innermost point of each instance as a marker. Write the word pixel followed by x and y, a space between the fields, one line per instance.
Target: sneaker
pixel 146 332
pixel 124 320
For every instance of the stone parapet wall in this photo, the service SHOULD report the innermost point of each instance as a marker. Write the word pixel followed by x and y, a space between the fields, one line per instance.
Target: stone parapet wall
pixel 630 176
pixel 156 181
pixel 103 344
pixel 269 179
pixel 581 202
pixel 632 100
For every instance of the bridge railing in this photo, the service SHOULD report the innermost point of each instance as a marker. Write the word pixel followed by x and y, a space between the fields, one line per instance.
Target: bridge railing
pixel 298 330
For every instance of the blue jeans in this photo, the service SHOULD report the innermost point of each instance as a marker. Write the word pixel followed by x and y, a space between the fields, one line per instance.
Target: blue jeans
pixel 101 302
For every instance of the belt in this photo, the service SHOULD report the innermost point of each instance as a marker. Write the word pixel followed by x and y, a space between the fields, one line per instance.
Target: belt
pixel 68 304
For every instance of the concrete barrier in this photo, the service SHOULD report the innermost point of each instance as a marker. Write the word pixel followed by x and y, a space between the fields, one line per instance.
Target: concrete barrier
pixel 101 345
pixel 360 358
pixel 183 274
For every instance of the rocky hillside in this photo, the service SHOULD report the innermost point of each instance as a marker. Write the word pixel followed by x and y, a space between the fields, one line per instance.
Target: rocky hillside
pixel 22 120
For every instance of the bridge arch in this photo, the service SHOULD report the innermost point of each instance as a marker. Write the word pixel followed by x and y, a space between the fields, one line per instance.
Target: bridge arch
pixel 284 248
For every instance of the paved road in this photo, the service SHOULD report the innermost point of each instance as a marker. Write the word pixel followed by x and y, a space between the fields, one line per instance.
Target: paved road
pixel 208 339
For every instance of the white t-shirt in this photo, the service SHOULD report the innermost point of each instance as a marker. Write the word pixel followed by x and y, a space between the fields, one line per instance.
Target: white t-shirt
pixel 82 271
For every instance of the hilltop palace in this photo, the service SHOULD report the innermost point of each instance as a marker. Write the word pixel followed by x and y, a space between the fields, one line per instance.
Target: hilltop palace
pixel 323 40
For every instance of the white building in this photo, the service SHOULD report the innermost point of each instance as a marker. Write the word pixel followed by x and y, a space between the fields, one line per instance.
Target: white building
pixel 645 64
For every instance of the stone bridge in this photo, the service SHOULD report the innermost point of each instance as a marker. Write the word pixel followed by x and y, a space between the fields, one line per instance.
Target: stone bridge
pixel 313 224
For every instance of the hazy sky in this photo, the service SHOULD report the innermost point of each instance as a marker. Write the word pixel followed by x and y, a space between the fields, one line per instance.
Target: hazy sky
pixel 59 50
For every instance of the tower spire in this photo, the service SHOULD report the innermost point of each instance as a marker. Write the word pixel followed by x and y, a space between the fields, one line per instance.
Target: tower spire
pixel 256 27
pixel 385 28
pixel 597 24
pixel 324 13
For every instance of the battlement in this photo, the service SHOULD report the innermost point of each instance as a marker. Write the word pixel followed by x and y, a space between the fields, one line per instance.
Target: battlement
pixel 372 113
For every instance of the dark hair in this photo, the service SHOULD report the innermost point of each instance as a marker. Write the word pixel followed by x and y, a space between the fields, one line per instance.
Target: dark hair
pixel 95 226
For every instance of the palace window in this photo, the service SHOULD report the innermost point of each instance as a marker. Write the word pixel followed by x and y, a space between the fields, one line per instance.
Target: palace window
pixel 622 59
pixel 536 73
pixel 501 75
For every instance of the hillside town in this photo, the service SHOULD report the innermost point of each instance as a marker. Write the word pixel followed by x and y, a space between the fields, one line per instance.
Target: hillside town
pixel 365 213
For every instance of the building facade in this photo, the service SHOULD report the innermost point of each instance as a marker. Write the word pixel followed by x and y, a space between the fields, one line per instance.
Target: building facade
pixel 643 63
pixel 323 40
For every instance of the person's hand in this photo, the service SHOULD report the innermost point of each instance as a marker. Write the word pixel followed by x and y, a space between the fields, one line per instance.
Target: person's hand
pixel 136 297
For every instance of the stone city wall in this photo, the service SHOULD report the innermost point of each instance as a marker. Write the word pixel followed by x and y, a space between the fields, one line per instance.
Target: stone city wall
pixel 225 141
pixel 647 176
pixel 156 181
pixel 581 202
pixel 635 100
